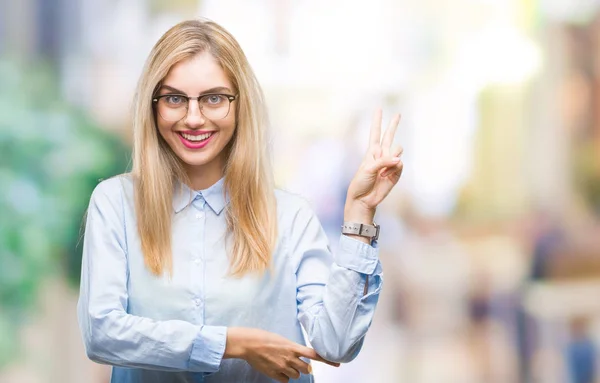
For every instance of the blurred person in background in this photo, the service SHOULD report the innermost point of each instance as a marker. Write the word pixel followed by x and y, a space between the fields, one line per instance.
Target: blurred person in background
pixel 194 267
pixel 581 354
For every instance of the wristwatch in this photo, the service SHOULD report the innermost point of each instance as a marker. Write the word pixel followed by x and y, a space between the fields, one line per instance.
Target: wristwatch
pixel 361 229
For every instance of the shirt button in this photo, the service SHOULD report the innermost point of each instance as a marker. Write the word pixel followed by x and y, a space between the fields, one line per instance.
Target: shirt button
pixel 197 302
pixel 197 261
pixel 200 215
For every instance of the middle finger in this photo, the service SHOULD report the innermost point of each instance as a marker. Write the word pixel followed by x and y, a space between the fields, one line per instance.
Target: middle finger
pixel 388 137
pixel 300 365
pixel 291 372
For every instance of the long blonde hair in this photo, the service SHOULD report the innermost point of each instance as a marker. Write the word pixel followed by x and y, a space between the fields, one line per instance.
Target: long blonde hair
pixel 251 213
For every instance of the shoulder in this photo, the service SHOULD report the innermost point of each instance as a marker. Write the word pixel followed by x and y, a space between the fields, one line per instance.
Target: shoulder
pixel 298 222
pixel 290 203
pixel 293 208
pixel 113 190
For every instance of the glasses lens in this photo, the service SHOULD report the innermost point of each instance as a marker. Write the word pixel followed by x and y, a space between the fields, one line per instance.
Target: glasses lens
pixel 215 106
pixel 172 108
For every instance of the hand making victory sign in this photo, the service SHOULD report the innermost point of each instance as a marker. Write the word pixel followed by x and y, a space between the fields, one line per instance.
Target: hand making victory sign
pixel 378 173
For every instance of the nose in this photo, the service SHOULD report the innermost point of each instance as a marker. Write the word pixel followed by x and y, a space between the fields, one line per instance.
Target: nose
pixel 194 117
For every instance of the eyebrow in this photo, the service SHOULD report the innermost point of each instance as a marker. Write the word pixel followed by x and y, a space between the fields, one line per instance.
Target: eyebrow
pixel 217 89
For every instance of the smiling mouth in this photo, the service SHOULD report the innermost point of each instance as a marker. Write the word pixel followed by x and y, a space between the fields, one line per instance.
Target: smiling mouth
pixel 196 138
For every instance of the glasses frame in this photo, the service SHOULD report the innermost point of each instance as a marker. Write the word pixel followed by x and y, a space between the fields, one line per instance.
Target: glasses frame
pixel 229 97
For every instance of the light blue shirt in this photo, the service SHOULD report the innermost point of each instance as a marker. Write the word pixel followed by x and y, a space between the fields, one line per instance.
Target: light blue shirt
pixel 155 329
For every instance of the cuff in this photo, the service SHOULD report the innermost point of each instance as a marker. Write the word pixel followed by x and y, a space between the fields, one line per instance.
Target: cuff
pixel 356 255
pixel 208 349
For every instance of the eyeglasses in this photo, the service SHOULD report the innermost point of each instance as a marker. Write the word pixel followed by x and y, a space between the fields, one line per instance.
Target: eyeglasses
pixel 174 107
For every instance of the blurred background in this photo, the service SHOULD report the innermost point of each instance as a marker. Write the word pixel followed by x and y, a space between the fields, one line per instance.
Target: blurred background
pixel 490 243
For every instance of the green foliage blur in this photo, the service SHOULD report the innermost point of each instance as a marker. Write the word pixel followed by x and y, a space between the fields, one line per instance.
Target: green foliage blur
pixel 587 173
pixel 51 157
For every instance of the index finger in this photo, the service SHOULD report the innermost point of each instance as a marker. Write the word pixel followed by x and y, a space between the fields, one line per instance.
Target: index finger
pixel 375 136
pixel 312 354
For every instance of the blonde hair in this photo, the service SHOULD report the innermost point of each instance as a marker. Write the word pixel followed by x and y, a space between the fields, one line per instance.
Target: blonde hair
pixel 251 213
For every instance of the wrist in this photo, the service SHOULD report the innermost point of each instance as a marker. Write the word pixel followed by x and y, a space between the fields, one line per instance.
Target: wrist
pixel 235 346
pixel 359 213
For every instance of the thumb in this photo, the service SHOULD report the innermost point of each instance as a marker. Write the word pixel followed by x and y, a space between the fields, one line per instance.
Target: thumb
pixel 383 162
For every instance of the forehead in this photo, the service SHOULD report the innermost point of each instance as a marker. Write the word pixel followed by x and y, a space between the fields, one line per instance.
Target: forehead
pixel 197 74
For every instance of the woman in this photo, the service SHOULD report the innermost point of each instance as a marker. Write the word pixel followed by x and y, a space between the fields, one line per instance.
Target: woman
pixel 195 269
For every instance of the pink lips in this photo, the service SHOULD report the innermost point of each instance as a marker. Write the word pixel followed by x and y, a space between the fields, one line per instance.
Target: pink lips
pixel 195 145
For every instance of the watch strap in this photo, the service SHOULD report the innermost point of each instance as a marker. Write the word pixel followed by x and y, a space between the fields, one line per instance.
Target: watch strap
pixel 361 229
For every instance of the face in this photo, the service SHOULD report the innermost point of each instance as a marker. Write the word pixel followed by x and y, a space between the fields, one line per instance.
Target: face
pixel 197 140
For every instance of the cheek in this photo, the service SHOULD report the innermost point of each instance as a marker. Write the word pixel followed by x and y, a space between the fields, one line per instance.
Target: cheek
pixel 164 128
pixel 228 125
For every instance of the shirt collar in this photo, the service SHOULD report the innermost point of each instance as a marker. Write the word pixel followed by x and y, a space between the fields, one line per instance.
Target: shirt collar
pixel 214 196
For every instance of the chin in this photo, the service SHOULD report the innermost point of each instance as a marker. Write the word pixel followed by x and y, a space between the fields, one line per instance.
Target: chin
pixel 194 160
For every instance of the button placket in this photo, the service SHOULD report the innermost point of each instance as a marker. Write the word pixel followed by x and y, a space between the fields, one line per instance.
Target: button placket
pixel 200 215
pixel 196 269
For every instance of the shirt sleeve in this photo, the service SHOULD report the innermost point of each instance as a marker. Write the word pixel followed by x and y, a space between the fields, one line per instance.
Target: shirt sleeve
pixel 333 307
pixel 110 334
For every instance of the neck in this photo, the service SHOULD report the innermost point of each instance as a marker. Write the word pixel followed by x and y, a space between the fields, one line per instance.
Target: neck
pixel 201 178
pixel 204 176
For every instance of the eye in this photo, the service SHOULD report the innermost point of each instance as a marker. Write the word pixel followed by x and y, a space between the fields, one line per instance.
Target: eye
pixel 213 99
pixel 174 100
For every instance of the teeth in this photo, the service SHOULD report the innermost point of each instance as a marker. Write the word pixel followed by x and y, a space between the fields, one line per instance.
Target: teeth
pixel 201 137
